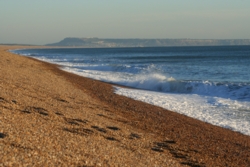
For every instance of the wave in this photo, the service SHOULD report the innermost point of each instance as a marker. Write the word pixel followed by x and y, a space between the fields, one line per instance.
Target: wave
pixel 161 83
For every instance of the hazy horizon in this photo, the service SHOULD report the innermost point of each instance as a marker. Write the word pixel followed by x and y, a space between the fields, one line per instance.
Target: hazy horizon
pixel 43 22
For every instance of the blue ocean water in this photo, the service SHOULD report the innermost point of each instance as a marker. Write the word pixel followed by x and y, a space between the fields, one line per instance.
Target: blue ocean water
pixel 208 83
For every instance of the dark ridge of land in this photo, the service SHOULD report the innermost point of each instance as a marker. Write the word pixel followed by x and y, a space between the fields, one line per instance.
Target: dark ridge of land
pixel 15 44
pixel 49 117
pixel 102 43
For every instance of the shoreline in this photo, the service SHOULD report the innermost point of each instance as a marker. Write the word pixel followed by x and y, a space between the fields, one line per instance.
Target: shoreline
pixel 167 135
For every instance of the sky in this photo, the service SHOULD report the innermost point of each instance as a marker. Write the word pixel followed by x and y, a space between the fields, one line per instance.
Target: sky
pixel 48 21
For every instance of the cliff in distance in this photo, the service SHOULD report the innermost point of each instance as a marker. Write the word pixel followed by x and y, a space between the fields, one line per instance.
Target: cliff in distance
pixel 103 43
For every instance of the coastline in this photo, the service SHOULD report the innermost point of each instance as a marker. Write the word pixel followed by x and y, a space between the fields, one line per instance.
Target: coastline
pixel 54 110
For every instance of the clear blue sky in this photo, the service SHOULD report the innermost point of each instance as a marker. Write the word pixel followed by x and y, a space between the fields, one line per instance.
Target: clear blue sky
pixel 48 21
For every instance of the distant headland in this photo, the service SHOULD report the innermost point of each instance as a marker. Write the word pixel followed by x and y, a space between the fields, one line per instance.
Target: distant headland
pixel 100 42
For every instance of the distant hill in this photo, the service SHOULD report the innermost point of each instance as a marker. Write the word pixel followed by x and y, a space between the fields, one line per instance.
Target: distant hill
pixel 98 42
pixel 12 44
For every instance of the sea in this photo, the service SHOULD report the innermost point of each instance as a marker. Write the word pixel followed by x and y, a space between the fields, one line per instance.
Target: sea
pixel 208 83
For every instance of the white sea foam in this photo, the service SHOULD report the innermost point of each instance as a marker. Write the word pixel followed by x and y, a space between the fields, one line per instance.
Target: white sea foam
pixel 217 111
pixel 162 83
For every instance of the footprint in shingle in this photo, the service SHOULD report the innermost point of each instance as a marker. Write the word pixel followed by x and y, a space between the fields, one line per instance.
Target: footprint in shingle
pixel 58 113
pixel 104 116
pixel 164 145
pixel 177 154
pixel 40 110
pixel 71 121
pixel 134 136
pixel 2 99
pixel 26 110
pixel 20 146
pixel 160 146
pixel 75 121
pixel 2 135
pixel 80 120
pixel 113 128
pixel 169 141
pixel 111 138
pixel 158 149
pixel 99 129
pixel 62 100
